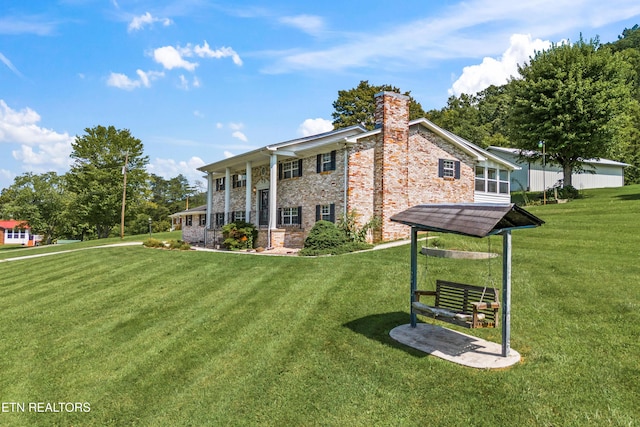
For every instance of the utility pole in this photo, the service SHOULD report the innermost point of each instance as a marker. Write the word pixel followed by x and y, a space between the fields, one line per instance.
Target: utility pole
pixel 543 145
pixel 124 193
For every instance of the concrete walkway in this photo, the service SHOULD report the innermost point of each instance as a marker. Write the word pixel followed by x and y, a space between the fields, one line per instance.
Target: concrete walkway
pixel 454 346
pixel 19 258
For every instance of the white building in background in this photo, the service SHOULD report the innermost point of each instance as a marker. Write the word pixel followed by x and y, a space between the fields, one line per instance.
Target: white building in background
pixel 532 176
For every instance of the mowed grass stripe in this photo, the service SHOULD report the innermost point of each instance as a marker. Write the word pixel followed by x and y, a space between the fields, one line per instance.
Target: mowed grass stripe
pixel 153 337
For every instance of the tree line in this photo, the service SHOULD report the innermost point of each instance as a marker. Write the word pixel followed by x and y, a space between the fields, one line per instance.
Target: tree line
pixel 581 100
pixel 87 202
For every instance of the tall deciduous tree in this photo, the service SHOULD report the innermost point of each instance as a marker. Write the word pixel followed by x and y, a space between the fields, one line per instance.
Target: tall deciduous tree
pixel 38 199
pixel 101 158
pixel 357 106
pixel 575 98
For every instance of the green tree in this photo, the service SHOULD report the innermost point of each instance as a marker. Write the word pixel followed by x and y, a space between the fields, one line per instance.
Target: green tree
pixel 628 44
pixel 574 97
pixel 357 106
pixel 102 158
pixel 478 118
pixel 39 200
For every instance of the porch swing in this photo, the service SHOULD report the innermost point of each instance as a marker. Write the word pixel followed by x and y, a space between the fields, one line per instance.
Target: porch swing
pixel 460 304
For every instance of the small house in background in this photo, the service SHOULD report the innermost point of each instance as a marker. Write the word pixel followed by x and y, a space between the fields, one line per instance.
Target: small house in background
pixel 598 173
pixel 13 232
pixel 285 188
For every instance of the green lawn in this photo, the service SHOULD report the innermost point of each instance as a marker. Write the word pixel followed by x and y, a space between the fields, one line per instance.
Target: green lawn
pixel 151 337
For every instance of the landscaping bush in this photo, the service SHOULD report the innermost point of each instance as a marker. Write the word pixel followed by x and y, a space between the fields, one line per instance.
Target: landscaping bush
pixel 171 244
pixel 153 243
pixel 327 239
pixel 239 235
pixel 324 235
pixel 566 192
pixel 179 244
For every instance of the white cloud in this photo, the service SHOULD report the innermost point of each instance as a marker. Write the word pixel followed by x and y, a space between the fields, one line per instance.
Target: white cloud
pixel 497 72
pixel 470 29
pixel 138 22
pixel 236 126
pixel 9 65
pixel 205 51
pixel 198 114
pixel 171 57
pixel 228 154
pixel 40 149
pixel 310 24
pixel 169 168
pixel 239 135
pixel 219 125
pixel 122 81
pixel 314 127
pixel 185 84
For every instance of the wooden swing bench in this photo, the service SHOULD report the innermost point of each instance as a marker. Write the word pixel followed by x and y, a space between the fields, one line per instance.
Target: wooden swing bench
pixel 463 305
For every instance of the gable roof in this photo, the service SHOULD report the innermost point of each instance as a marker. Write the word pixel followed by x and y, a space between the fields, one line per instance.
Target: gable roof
pixel 530 153
pixel 10 224
pixel 197 210
pixel 468 219
pixel 468 147
pixel 295 148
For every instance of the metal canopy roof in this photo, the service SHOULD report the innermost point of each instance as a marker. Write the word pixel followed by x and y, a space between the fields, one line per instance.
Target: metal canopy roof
pixel 468 219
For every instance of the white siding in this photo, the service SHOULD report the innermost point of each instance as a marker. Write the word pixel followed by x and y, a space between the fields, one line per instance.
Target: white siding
pixel 481 197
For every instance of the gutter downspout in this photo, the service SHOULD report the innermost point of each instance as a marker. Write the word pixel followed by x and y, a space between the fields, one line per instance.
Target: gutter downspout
pixel 209 205
pixel 346 180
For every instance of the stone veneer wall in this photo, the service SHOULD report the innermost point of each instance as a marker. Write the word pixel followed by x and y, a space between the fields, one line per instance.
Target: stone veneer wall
pixel 306 191
pixel 391 167
pixel 387 173
pixel 425 150
pixel 361 185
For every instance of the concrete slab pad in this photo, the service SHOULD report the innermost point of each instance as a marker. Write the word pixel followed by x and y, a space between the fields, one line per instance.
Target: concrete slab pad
pixel 454 346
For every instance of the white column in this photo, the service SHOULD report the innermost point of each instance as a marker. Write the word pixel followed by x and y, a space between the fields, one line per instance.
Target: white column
pixel 247 196
pixel 273 183
pixel 209 198
pixel 227 195
pixel 506 293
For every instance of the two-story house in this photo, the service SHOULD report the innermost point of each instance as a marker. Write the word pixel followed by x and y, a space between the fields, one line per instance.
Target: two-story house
pixel 286 187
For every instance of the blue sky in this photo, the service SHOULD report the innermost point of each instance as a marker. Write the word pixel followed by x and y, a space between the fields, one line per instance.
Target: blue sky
pixel 198 81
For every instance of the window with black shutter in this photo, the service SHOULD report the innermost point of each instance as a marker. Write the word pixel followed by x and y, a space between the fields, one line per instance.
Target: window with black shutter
pixel 326 212
pixel 449 168
pixel 326 162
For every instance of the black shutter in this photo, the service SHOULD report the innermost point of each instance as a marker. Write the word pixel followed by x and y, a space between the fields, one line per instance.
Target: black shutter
pixel 333 160
pixel 279 170
pixel 440 168
pixel 332 212
pixel 299 215
pixel 318 212
pixel 319 163
pixel 279 219
pixel 300 167
pixel 456 166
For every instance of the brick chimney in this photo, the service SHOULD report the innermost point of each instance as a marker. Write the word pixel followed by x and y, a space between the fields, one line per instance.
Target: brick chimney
pixel 391 163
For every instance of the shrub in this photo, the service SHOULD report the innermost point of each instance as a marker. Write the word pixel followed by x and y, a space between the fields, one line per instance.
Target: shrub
pixel 325 235
pixel 178 244
pixel 153 243
pixel 348 224
pixel 239 235
pixel 566 192
pixel 171 244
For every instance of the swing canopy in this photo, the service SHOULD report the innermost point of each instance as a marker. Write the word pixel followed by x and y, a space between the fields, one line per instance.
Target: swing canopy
pixel 468 219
